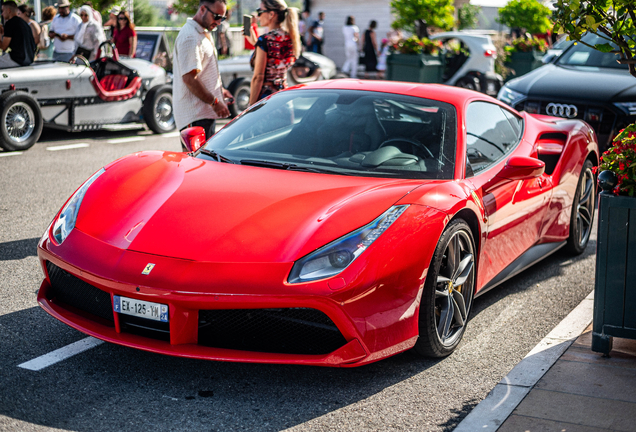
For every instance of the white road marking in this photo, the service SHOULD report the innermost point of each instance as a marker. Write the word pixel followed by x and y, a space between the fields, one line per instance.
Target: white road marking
pixel 63 353
pixel 4 154
pixel 171 134
pixel 125 140
pixel 68 147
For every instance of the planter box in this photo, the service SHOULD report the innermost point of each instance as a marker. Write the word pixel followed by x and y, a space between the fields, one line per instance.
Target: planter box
pixel 422 68
pixel 615 285
pixel 523 62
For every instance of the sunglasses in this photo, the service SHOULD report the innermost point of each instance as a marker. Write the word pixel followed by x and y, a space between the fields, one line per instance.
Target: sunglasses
pixel 122 19
pixel 217 17
pixel 260 11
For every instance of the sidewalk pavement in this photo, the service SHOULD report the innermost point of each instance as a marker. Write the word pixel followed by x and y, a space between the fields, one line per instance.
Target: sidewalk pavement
pixel 562 385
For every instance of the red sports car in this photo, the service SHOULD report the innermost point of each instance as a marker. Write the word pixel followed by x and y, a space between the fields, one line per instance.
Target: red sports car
pixel 335 224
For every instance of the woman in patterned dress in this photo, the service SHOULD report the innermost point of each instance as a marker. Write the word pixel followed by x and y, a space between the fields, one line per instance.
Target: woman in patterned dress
pixel 276 51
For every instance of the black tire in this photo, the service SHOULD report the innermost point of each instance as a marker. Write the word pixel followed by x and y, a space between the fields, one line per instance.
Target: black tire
pixel 583 207
pixel 445 306
pixel 469 82
pixel 20 121
pixel 157 110
pixel 241 94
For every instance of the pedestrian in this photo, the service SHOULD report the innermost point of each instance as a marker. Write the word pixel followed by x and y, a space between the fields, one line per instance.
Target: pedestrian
pixel 17 35
pixel 111 22
pixel 62 31
pixel 89 36
pixel 45 47
pixel 370 49
pixel 276 51
pixel 351 34
pixel 317 32
pixel 223 41
pixel 97 17
pixel 125 36
pixel 26 13
pixel 197 92
pixel 384 54
pixel 303 28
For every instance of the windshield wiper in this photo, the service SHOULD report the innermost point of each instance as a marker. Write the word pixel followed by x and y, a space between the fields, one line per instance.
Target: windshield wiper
pixel 288 166
pixel 216 156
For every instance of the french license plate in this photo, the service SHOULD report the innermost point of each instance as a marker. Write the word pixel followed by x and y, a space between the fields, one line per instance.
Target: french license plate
pixel 140 308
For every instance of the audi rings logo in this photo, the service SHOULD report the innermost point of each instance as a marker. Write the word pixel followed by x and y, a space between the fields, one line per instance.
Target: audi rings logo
pixel 562 110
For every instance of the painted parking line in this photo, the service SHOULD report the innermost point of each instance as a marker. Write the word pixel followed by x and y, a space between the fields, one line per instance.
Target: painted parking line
pixel 5 154
pixel 171 134
pixel 125 140
pixel 63 353
pixel 68 147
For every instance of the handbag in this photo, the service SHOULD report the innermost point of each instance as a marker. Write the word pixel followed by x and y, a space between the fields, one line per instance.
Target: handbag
pixel 84 52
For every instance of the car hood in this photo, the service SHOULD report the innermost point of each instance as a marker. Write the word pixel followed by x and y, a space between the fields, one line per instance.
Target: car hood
pixel 173 205
pixel 565 82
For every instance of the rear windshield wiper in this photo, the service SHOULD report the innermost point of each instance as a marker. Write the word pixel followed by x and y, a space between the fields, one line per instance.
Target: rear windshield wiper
pixel 216 156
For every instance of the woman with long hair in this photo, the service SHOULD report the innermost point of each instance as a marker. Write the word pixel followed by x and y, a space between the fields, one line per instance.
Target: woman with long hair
pixel 90 34
pixel 124 35
pixel 45 47
pixel 25 12
pixel 370 49
pixel 276 51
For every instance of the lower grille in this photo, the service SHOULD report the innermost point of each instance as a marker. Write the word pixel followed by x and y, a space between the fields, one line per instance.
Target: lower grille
pixel 284 331
pixel 145 327
pixel 73 291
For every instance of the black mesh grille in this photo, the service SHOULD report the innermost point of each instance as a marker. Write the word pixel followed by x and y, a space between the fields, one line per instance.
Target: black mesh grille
pixel 73 291
pixel 145 327
pixel 285 331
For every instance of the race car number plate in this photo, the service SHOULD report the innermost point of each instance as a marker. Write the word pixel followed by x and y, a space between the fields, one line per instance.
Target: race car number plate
pixel 140 308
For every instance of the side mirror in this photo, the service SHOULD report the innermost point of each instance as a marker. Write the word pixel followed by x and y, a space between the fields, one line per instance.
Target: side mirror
pixel 193 138
pixel 522 168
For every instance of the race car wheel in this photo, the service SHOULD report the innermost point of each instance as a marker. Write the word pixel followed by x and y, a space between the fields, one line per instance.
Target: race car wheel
pixel 157 111
pixel 241 98
pixel 20 121
pixel 448 292
pixel 582 210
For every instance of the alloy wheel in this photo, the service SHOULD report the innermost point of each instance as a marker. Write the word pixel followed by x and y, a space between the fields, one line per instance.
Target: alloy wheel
pixel 163 111
pixel 585 207
pixel 454 288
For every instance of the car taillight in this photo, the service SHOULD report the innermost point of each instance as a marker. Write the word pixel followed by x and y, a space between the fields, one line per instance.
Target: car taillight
pixel 488 53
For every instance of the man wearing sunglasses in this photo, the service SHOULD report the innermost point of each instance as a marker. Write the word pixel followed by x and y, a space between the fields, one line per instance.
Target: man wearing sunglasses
pixel 197 92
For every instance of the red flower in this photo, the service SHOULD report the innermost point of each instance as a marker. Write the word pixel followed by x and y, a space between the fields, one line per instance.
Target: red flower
pixel 621 166
pixel 595 170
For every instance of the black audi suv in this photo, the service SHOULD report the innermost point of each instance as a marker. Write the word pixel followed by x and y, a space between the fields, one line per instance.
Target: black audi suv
pixel 582 83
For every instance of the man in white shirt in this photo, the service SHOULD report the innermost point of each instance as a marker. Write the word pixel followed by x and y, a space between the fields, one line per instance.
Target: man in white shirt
pixel 197 91
pixel 62 31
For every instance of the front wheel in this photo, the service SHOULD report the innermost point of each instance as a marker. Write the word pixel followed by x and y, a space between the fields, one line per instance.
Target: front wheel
pixel 157 110
pixel 448 292
pixel 20 121
pixel 582 214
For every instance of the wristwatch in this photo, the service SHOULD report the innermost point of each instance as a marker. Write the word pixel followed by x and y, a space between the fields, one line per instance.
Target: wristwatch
pixel 215 101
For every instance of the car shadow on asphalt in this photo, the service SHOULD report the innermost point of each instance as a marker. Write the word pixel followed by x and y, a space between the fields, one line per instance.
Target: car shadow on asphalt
pixel 115 388
pixel 18 249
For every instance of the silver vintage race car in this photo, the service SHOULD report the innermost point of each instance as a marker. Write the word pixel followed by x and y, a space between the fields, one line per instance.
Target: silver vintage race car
pixel 79 96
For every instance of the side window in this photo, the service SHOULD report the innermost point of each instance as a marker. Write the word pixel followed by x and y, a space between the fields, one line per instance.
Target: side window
pixel 490 135
pixel 516 122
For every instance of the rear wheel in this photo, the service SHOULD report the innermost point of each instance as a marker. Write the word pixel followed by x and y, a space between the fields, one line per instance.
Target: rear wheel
pixel 469 82
pixel 583 207
pixel 241 98
pixel 448 292
pixel 157 110
pixel 20 121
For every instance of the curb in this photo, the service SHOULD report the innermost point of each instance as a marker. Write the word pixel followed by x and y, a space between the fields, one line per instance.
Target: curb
pixel 490 413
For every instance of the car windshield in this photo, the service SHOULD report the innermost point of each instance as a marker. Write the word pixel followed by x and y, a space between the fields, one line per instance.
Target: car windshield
pixel 346 132
pixel 581 55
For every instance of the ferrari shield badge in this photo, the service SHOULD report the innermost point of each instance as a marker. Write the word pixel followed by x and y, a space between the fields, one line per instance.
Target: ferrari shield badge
pixel 148 269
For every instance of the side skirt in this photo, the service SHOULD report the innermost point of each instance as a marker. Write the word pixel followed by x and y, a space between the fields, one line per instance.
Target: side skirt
pixel 527 259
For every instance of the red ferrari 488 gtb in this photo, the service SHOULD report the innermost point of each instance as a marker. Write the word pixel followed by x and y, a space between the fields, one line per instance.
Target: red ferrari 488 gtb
pixel 335 224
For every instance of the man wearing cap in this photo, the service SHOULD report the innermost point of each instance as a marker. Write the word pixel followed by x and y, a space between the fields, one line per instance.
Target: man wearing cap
pixel 16 34
pixel 62 31
pixel 197 91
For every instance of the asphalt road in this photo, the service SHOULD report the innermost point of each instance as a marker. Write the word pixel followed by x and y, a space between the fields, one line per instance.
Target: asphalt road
pixel 111 388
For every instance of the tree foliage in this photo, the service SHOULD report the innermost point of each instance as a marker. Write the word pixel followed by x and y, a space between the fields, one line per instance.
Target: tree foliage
pixel 413 15
pixel 468 16
pixel 526 14
pixel 613 21
pixel 145 13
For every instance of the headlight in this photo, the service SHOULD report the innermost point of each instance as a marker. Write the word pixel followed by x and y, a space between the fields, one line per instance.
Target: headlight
pixel 66 220
pixel 628 107
pixel 509 96
pixel 333 258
